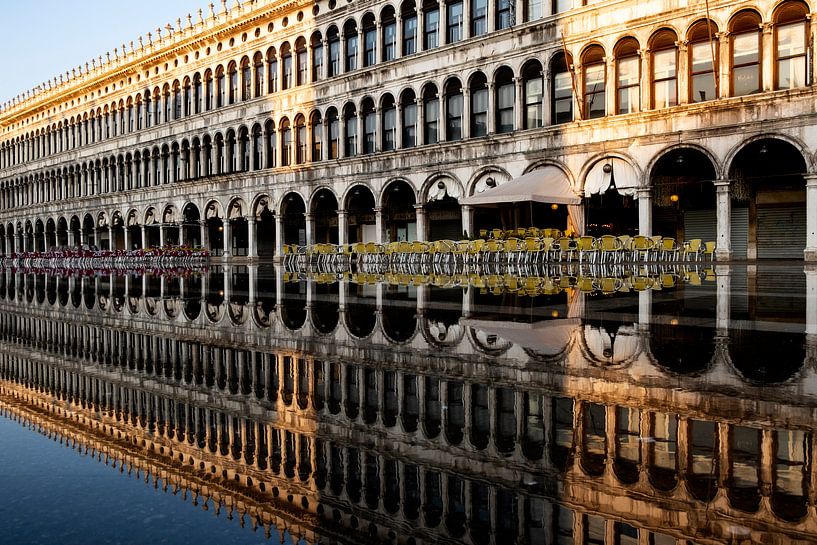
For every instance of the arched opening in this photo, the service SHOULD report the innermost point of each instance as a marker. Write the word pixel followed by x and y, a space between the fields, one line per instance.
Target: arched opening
pixel 89 231
pixel 360 215
pixel 238 243
pixel 62 232
pixel 609 191
pixel 767 357
pixel 443 211
pixel 325 307
pixel 324 206
pixel 264 227
pixel 400 218
pixel 683 196
pixel 293 212
pixel 361 310
pixel 191 226
pixel 214 218
pixel 767 175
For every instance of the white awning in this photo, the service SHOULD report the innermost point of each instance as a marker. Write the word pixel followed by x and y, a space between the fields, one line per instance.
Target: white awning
pixel 620 170
pixel 547 185
pixel 549 337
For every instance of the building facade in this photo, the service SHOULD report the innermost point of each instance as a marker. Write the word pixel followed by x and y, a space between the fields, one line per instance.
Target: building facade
pixel 260 124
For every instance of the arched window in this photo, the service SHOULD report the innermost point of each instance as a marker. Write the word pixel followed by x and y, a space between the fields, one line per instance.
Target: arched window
pixel 246 79
pixel 409 13
pixel 745 40
pixel 286 67
pixel 333 41
pixel 350 36
pixel 257 147
pixel 409 118
pixel 350 122
pixel 244 149
pixel 258 68
pixel 303 66
pixel 628 76
pixel 593 72
pixel 232 70
pixel 504 85
pixel 197 94
pixel 221 87
pixel 333 124
pixel 703 56
pixel 286 142
pixel 479 104
pixel 389 123
pixel 317 56
pixel 561 91
pixel 431 114
pixel 664 69
pixel 301 142
pixel 369 40
pixel 130 118
pixel 791 39
pixel 270 144
pixel 369 126
pixel 188 98
pixel 533 90
pixel 209 90
pixel 138 114
pixel 177 100
pixel 317 135
pixel 272 70
pixel 389 25
pixel 453 110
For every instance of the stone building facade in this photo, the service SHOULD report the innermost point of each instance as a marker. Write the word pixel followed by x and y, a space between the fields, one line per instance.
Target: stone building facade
pixel 260 124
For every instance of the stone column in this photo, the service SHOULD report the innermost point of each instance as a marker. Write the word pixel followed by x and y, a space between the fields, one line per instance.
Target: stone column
pixel 205 234
pixel 646 80
pixel 811 300
pixel 279 237
pixel 491 101
pixel 111 241
pixel 420 131
pixel 491 16
pixel 161 234
pixel 420 42
pixel 683 73
pixel 723 250
pixel 610 86
pixel 127 239
pixel 644 211
pixel 252 237
pixel 342 227
pixel 810 253
pixel 519 107
pixel 723 296
pixel 228 238
pixel 310 229
pixel 421 222
pixel 378 215
pixel 466 113
pixel 767 55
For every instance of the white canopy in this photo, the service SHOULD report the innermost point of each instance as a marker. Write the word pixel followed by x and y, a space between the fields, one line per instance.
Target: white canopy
pixel 621 171
pixel 547 185
pixel 547 337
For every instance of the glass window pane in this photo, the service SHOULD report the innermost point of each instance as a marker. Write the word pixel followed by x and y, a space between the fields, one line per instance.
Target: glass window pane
pixel 664 64
pixel 701 54
pixel 791 40
pixel 746 79
pixel 791 73
pixel 745 48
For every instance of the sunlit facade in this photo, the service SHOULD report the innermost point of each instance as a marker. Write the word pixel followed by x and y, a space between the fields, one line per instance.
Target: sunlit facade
pixel 272 123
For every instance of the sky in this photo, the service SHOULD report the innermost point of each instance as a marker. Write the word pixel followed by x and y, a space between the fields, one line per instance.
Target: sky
pixel 44 38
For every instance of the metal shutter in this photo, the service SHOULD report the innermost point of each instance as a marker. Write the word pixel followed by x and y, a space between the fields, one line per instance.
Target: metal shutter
pixel 739 233
pixel 781 231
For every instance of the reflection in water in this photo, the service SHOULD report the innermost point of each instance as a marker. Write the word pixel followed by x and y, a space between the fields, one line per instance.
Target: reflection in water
pixel 375 412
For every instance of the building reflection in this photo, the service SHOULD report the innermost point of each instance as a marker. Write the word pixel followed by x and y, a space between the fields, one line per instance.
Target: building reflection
pixel 365 412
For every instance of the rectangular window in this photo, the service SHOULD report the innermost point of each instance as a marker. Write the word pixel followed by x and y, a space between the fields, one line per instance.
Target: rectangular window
pixel 791 56
pixel 287 76
pixel 233 88
pixel 317 140
pixel 334 138
pixel 702 72
pixel 273 77
pixel 301 144
pixel 562 98
pixel 665 88
pixel 432 23
pixel 222 91
pixel 534 10
pixel 533 103
pixel 594 96
pixel 317 62
pixel 629 87
pixel 351 137
pixel 746 63
pixel 479 112
pixel 334 58
pixel 454 23
pixel 432 115
pixel 479 17
pixel 504 14
pixel 389 41
pixel 389 129
pixel 369 125
pixel 370 43
pixel 302 67
pixel 246 77
pixel 560 6
pixel 409 125
pixel 504 105
pixel 409 35
pixel 351 53
pixel 286 144
pixel 453 129
pixel 259 80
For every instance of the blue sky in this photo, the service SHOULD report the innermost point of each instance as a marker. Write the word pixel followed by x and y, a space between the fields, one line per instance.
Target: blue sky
pixel 45 38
